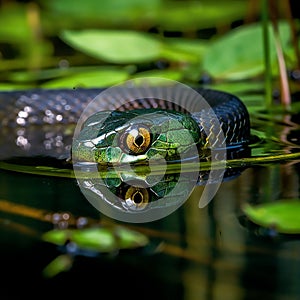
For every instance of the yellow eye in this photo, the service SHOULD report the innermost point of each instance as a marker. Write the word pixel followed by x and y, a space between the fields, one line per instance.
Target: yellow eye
pixel 139 197
pixel 138 140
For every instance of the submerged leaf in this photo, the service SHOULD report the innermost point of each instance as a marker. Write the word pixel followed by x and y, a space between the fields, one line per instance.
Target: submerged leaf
pixel 61 263
pixel 130 239
pixel 57 236
pixel 282 216
pixel 98 239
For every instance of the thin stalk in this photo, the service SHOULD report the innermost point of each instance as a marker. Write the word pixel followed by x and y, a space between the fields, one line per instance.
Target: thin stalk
pixel 289 16
pixel 284 82
pixel 267 58
pixel 285 90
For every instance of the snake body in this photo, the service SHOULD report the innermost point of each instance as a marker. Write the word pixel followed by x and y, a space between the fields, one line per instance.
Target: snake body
pixel 39 123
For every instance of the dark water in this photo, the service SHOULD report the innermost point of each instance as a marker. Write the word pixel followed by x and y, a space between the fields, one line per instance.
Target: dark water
pixel 208 253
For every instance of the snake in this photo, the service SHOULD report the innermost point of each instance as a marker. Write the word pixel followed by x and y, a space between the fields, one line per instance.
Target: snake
pixel 38 124
pixel 38 127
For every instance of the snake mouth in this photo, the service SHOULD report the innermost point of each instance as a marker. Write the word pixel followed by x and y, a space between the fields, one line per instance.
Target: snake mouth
pixel 115 156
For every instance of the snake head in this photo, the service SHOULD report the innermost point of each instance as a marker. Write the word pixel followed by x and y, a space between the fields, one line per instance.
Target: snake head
pixel 136 136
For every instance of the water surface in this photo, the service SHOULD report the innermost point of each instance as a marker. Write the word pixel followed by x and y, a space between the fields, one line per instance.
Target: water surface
pixel 214 252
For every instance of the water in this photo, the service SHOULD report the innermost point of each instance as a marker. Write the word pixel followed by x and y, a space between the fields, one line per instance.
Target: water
pixel 210 253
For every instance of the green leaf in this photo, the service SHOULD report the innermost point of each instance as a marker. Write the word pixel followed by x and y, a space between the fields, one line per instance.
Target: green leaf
pixel 115 46
pixel 239 87
pixel 239 54
pixel 184 50
pixel 128 238
pixel 106 12
pixel 14 87
pixel 17 30
pixel 282 215
pixel 57 236
pixel 157 76
pixel 192 15
pixel 14 26
pixel 62 263
pixel 100 78
pixel 98 239
pixel 166 15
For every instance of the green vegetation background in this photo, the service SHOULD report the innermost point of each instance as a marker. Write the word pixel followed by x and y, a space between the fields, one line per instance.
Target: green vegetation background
pixel 75 43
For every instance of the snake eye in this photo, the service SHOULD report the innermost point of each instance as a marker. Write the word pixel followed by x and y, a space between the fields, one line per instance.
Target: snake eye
pixel 139 197
pixel 136 139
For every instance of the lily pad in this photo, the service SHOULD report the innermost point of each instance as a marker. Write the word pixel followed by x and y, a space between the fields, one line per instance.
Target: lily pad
pixel 282 216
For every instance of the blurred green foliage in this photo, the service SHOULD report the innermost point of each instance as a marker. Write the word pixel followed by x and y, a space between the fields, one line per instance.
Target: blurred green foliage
pixel 92 241
pixel 72 43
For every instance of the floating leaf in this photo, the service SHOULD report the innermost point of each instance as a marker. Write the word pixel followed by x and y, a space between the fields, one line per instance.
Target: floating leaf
pixel 282 216
pixel 115 46
pixel 239 54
